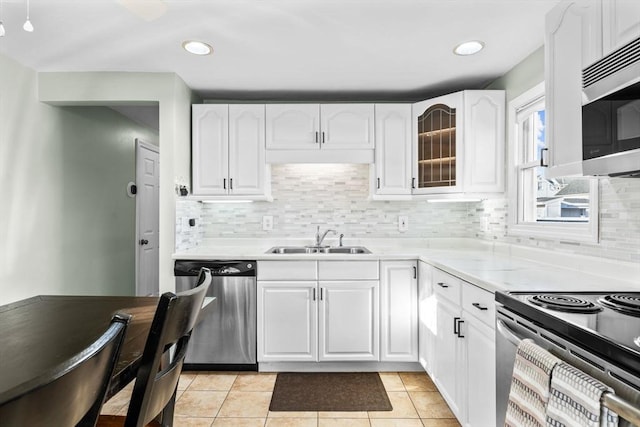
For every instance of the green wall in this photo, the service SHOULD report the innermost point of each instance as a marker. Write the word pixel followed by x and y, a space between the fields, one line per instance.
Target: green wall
pixel 66 223
pixel 525 75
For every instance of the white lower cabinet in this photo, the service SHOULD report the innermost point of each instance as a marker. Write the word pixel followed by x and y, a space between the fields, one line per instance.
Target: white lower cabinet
pixel 349 321
pixel 398 311
pixel 288 321
pixel 456 321
pixel 303 318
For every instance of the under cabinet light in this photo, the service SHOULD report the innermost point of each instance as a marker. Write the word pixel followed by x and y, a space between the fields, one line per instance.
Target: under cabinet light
pixel 226 201
pixel 453 200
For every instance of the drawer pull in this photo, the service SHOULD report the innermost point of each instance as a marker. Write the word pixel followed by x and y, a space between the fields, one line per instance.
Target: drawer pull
pixel 443 285
pixel 479 307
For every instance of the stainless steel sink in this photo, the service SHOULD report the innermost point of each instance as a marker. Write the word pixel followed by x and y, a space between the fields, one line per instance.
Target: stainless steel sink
pixel 318 250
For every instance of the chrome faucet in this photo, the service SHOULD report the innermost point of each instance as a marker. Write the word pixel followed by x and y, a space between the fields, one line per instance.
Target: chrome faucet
pixel 320 239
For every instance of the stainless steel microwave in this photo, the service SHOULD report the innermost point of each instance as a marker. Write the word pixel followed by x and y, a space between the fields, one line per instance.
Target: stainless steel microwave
pixel 611 114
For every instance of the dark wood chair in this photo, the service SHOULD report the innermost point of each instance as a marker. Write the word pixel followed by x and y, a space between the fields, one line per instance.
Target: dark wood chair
pixel 161 364
pixel 73 392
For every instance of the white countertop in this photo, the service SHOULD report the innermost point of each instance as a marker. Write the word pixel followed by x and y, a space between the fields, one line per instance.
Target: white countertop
pixel 491 266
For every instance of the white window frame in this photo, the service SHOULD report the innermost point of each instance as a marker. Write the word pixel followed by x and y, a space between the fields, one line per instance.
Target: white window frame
pixel 578 232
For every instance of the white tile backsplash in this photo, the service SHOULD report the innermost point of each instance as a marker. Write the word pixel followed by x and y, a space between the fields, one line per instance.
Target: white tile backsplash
pixel 337 196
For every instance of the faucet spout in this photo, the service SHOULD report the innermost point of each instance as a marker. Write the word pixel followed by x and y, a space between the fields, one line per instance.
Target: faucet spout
pixel 320 238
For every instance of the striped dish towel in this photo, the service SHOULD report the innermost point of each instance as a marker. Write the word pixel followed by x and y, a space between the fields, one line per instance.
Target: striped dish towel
pixel 575 400
pixel 530 386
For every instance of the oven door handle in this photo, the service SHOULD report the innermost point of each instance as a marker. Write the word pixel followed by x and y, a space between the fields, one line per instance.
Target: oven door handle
pixel 506 332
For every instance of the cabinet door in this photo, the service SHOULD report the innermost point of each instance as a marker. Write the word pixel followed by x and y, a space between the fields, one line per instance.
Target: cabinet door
pixel 293 126
pixel 481 373
pixel 449 359
pixel 349 321
pixel 287 321
pixel 246 149
pixel 393 149
pixel 398 311
pixel 620 23
pixel 484 141
pixel 346 126
pixel 427 318
pixel 209 149
pixel 569 34
pixel 437 139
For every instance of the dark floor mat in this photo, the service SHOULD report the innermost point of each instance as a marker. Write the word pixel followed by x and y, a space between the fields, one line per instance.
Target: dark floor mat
pixel 341 391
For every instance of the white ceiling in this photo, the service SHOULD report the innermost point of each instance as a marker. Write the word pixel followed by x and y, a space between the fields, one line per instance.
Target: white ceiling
pixel 279 49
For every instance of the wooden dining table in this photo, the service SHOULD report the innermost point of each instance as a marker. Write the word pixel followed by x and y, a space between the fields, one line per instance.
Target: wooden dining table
pixel 39 333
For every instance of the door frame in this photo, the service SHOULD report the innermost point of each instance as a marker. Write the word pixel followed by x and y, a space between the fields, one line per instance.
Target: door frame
pixel 141 145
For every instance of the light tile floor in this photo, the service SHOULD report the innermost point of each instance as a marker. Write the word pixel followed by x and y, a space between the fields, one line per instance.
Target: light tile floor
pixel 226 399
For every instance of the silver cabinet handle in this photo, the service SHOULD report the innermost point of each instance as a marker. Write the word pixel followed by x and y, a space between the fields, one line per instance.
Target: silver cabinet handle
pixel 479 307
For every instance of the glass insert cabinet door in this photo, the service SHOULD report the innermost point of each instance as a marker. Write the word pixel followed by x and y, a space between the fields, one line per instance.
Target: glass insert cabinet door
pixel 437 129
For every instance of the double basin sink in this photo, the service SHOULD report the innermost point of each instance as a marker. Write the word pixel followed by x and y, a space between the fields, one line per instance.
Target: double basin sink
pixel 318 250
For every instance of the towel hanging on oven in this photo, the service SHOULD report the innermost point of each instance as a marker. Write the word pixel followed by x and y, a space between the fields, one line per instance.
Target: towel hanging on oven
pixel 530 386
pixel 575 400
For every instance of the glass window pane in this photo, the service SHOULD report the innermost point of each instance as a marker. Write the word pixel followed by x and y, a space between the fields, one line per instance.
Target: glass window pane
pixel 562 199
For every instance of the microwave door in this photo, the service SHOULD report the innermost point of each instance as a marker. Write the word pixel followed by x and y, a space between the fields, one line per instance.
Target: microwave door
pixel 627 129
pixel 597 129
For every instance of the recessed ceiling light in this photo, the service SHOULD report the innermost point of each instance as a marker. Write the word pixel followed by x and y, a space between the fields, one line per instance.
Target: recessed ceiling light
pixel 468 48
pixel 197 48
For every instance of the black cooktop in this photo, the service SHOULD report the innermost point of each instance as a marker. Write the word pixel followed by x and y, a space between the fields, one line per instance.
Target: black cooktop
pixel 604 323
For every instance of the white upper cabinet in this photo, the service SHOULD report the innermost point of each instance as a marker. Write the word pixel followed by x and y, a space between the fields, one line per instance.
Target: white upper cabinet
pixel 572 41
pixel 210 149
pixel 347 126
pixel 458 143
pixel 246 149
pixel 228 154
pixel 620 23
pixel 484 141
pixel 312 132
pixel 393 151
pixel 293 126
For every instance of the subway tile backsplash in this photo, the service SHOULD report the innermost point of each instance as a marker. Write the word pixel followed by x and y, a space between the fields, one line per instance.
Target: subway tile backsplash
pixel 337 196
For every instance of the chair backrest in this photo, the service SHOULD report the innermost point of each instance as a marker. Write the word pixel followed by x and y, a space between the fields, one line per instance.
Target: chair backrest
pixel 72 393
pixel 163 356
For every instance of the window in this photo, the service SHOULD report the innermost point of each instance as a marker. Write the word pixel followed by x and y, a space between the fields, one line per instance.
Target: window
pixel 543 206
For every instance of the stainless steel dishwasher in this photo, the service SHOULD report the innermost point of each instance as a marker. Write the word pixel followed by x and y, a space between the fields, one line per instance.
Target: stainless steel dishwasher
pixel 226 338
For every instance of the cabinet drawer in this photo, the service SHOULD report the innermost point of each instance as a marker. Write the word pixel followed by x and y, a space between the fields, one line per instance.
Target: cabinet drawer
pixel 446 286
pixel 479 303
pixel 287 270
pixel 348 270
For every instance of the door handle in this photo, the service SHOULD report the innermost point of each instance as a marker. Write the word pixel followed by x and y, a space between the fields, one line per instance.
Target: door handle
pixel 144 242
pixel 479 307
pixel 460 322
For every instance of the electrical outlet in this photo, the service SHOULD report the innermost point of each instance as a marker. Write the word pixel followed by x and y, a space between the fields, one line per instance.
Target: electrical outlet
pixel 403 223
pixel 267 223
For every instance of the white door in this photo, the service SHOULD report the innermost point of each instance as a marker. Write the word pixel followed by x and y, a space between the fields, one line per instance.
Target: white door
pixel 449 354
pixel 347 126
pixel 246 149
pixel 393 149
pixel 481 374
pixel 349 321
pixel 398 311
pixel 209 149
pixel 287 321
pixel 147 218
pixel 293 126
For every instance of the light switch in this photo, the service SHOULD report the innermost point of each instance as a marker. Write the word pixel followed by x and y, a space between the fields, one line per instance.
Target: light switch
pixel 403 223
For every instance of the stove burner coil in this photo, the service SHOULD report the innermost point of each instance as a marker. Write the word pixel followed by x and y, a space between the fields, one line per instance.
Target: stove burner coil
pixel 565 303
pixel 623 303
